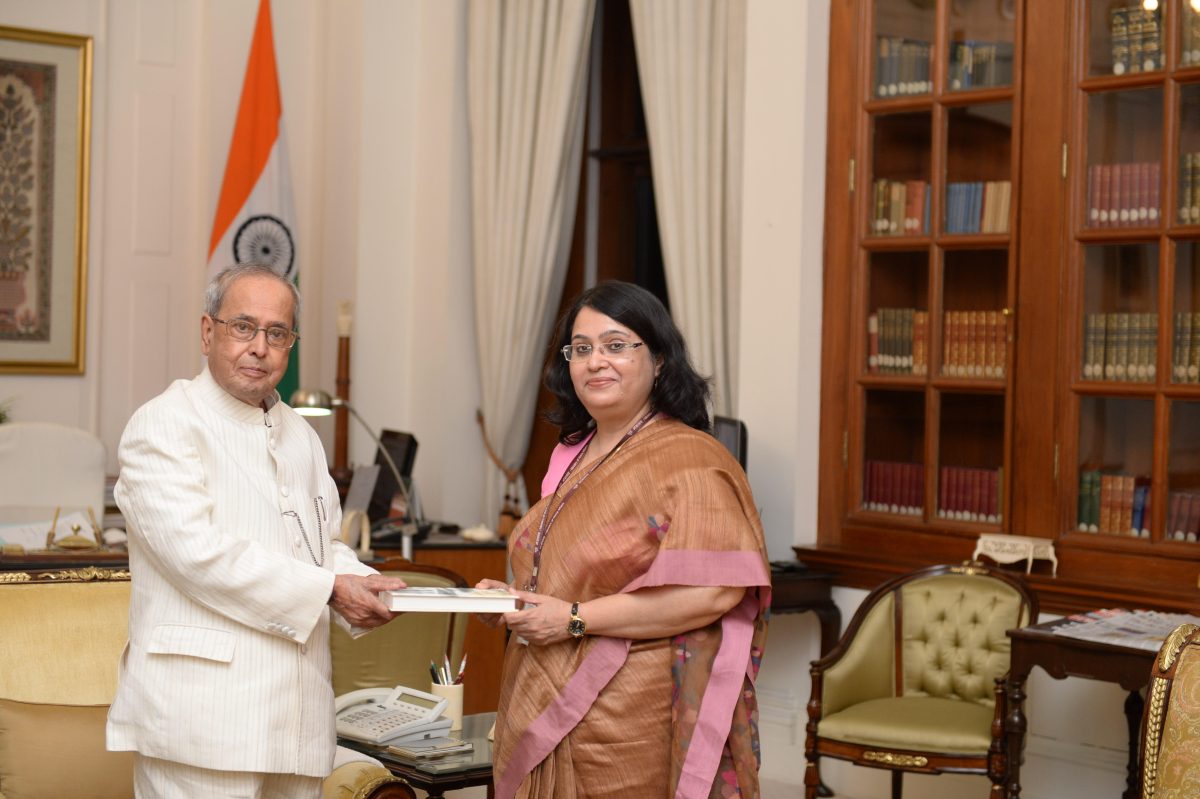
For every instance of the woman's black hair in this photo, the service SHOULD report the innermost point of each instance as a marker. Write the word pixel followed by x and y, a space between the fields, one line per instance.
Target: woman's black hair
pixel 679 391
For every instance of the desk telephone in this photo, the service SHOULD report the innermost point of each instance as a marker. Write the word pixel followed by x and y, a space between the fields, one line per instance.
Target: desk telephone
pixel 376 715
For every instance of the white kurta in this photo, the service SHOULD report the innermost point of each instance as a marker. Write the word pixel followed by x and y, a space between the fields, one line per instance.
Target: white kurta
pixel 229 511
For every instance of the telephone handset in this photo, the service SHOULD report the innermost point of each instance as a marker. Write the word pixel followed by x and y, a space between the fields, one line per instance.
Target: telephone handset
pixel 375 715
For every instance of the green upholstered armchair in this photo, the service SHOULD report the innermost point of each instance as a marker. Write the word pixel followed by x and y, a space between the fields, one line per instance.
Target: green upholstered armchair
pixel 916 682
pixel 61 635
pixel 399 652
pixel 1171 723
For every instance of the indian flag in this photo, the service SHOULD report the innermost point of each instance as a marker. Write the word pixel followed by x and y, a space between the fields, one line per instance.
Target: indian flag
pixel 255 217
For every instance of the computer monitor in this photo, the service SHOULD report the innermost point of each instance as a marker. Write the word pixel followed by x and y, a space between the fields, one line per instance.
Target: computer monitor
pixel 731 433
pixel 403 449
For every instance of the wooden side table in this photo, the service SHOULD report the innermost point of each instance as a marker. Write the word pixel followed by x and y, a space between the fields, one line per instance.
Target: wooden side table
pixel 1062 657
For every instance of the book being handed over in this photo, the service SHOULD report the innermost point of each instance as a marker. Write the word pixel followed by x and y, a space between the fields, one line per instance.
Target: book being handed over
pixel 450 600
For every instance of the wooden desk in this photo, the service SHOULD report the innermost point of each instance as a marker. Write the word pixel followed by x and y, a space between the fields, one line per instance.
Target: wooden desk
pixel 1063 657
pixel 484 646
pixel 450 774
pixel 798 589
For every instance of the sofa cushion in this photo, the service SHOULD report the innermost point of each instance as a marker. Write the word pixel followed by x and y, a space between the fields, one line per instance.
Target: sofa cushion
pixel 44 750
pixel 929 724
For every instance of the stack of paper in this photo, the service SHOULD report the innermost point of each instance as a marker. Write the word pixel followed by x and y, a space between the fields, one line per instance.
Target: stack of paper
pixel 1139 629
pixel 429 748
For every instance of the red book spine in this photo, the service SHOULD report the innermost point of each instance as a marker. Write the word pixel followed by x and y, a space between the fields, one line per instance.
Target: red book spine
pixel 943 489
pixel 1193 517
pixel 976 508
pixel 993 495
pixel 958 501
pixel 1108 192
pixel 1173 514
pixel 1124 198
pixel 1105 182
pixel 1155 172
pixel 1093 193
pixel 1143 201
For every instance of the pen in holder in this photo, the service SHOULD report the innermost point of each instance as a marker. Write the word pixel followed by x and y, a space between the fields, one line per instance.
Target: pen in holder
pixel 454 702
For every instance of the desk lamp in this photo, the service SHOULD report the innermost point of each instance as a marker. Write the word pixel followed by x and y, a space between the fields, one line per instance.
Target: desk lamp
pixel 315 402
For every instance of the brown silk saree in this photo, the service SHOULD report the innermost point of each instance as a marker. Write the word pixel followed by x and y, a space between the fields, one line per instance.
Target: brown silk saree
pixel 671 717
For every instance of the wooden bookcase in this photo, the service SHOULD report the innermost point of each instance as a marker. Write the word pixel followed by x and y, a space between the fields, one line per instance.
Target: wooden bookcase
pixel 1042 161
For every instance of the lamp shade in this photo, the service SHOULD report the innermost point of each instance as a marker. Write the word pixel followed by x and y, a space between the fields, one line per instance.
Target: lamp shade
pixel 311 402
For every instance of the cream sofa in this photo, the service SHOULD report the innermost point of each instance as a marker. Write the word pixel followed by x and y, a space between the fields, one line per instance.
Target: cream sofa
pixel 62 633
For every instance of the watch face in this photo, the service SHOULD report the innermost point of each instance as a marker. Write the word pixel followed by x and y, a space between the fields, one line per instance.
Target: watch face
pixel 576 627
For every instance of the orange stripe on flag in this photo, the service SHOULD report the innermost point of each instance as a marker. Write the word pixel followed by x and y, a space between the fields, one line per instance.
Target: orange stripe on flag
pixel 256 129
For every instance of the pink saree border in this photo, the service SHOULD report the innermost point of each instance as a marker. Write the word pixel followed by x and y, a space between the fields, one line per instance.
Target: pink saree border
pixel 560 459
pixel 607 655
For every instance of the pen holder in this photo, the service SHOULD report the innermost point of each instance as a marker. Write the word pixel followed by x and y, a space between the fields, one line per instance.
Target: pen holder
pixel 454 702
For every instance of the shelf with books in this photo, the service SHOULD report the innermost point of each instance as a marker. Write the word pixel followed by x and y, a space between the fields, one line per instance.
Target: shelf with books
pixel 893 472
pixel 1182 523
pixel 1188 52
pixel 900 195
pixel 1125 37
pixel 1187 192
pixel 980 44
pixel 1185 327
pixel 898 317
pixel 978 191
pixel 970 466
pixel 1120 320
pixel 1124 151
pixel 1115 456
pixel 903 48
pixel 974 331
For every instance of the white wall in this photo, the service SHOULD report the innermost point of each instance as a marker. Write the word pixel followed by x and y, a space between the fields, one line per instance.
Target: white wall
pixel 374 106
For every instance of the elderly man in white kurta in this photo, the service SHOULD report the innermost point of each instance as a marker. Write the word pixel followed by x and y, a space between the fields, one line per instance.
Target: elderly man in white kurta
pixel 232 518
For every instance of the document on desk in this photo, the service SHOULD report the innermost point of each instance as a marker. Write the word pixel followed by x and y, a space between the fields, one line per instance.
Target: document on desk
pixel 33 536
pixel 1139 629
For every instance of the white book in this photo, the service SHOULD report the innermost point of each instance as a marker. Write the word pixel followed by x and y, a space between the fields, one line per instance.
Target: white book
pixel 450 600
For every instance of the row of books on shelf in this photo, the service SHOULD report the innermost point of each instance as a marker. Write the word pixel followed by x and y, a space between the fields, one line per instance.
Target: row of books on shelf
pixel 894 487
pixel 896 341
pixel 1185 354
pixel 973 344
pixel 902 67
pixel 1120 346
pixel 1189 187
pixel 976 64
pixel 1136 41
pixel 971 495
pixel 1113 504
pixel 978 207
pixel 1189 51
pixel 901 207
pixel 1183 516
pixel 1123 195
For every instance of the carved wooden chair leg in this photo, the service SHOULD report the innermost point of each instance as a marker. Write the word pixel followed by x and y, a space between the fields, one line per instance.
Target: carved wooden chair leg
pixel 812 780
pixel 897 784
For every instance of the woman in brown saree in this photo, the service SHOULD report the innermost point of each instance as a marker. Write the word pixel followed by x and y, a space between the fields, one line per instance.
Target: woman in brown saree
pixel 630 669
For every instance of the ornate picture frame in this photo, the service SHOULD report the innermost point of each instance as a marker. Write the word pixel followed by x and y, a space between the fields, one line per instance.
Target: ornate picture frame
pixel 45 135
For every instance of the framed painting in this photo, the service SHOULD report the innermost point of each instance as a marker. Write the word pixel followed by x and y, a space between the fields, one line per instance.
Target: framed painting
pixel 45 130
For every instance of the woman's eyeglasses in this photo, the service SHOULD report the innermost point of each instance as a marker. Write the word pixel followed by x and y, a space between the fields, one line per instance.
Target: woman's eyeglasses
pixel 609 349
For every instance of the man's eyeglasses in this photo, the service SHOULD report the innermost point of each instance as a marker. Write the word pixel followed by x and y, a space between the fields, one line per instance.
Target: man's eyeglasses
pixel 610 349
pixel 278 336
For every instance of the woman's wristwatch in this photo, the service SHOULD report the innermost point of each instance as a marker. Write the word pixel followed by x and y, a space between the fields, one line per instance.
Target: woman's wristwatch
pixel 577 627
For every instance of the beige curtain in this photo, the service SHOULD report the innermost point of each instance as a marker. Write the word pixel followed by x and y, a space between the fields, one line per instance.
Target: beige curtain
pixel 526 70
pixel 691 61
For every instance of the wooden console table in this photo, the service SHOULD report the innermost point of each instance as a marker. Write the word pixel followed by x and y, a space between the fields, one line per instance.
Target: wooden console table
pixel 796 589
pixel 1062 657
